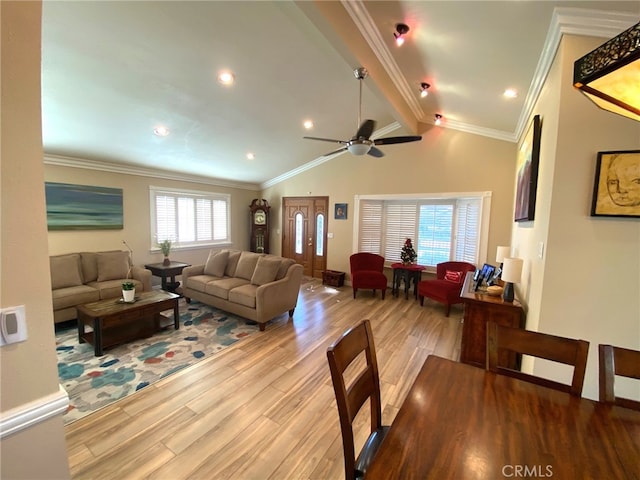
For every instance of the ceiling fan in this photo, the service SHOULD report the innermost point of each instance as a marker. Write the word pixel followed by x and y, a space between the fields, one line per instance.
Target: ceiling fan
pixel 361 143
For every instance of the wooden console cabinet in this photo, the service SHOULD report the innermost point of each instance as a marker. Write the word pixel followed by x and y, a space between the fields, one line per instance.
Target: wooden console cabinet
pixel 479 308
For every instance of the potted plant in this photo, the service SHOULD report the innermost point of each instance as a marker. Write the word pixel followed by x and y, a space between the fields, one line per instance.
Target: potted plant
pixel 128 291
pixel 165 247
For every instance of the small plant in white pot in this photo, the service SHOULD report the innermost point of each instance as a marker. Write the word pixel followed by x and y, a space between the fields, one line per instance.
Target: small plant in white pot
pixel 128 291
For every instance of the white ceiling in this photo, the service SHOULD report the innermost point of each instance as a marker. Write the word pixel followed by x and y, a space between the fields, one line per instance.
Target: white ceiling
pixel 112 71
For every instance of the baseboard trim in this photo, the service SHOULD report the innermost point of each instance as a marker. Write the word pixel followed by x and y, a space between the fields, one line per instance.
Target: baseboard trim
pixel 29 414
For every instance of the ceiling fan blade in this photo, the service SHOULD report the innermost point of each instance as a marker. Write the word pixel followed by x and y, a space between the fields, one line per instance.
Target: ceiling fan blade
pixel 392 140
pixel 375 152
pixel 333 140
pixel 366 129
pixel 335 151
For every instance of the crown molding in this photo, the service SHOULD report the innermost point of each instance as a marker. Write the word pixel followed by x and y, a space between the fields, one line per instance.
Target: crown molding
pixel 320 160
pixel 101 166
pixel 476 130
pixel 569 21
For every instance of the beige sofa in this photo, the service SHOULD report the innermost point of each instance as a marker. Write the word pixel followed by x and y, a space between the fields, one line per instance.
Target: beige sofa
pixel 253 285
pixel 79 278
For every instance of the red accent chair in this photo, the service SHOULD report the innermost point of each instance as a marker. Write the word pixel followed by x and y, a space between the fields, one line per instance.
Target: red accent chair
pixel 366 272
pixel 445 290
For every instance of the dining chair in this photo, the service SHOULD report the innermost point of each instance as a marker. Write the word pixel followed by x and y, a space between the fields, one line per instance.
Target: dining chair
pixel 542 345
pixel 617 361
pixel 367 271
pixel 351 396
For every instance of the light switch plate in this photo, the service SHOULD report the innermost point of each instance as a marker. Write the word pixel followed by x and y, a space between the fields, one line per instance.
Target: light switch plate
pixel 13 325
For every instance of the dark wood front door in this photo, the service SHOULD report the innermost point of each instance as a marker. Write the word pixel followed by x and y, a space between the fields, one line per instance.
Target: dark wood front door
pixel 304 232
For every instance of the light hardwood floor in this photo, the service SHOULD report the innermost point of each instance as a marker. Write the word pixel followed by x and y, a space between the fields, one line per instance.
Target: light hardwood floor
pixel 263 408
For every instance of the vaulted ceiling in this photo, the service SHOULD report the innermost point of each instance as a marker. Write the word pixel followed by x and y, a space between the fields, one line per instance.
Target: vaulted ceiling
pixel 114 71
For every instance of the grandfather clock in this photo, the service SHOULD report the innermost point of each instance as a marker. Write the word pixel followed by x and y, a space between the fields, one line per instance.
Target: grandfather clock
pixel 259 218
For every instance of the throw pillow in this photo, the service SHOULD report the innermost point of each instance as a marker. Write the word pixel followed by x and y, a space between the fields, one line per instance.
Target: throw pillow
pixel 285 263
pixel 246 265
pixel 216 263
pixel 65 271
pixel 232 263
pixel 113 266
pixel 452 276
pixel 266 270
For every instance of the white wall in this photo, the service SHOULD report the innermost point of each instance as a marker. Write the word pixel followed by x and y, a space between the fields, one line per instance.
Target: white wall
pixel 136 210
pixel 587 285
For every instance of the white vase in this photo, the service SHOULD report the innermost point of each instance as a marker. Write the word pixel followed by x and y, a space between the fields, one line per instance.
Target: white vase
pixel 128 295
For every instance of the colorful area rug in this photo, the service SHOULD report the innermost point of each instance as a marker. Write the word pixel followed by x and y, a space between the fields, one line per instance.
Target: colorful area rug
pixel 94 382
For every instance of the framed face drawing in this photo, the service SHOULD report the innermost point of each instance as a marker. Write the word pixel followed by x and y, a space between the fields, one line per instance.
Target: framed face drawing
pixel 616 192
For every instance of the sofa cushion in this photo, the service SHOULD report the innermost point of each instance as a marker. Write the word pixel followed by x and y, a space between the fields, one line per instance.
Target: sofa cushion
pixel 232 263
pixel 112 288
pixel 216 263
pixel 113 266
pixel 284 267
pixel 220 288
pixel 244 295
pixel 266 270
pixel 198 282
pixel 72 296
pixel 247 264
pixel 65 271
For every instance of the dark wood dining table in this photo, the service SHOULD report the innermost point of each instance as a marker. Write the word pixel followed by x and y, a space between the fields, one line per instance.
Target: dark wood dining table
pixel 461 422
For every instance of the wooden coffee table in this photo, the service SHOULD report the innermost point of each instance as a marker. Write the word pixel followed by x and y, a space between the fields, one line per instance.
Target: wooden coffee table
pixel 114 322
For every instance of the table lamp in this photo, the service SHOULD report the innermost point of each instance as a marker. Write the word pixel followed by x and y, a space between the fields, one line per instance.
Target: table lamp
pixel 501 254
pixel 511 273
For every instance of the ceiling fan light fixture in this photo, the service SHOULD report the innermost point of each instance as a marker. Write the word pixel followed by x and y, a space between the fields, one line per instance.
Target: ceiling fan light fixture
pixel 608 75
pixel 437 119
pixel 401 30
pixel 424 89
pixel 359 148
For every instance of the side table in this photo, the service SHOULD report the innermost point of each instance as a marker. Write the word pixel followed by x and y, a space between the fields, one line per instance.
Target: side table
pixel 406 273
pixel 168 271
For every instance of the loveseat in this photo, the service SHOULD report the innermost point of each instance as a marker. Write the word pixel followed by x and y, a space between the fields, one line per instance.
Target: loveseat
pixel 253 285
pixel 79 278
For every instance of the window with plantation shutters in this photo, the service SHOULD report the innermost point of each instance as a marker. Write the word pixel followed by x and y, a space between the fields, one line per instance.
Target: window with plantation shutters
pixel 442 228
pixel 399 224
pixel 189 218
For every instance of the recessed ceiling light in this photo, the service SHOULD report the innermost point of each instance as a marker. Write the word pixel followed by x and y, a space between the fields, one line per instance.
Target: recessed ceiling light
pixel 226 78
pixel 510 93
pixel 161 131
pixel 308 124
pixel 251 156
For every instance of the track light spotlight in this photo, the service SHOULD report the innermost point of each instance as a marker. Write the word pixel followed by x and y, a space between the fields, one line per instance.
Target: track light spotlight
pixel 438 119
pixel 401 31
pixel 424 89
